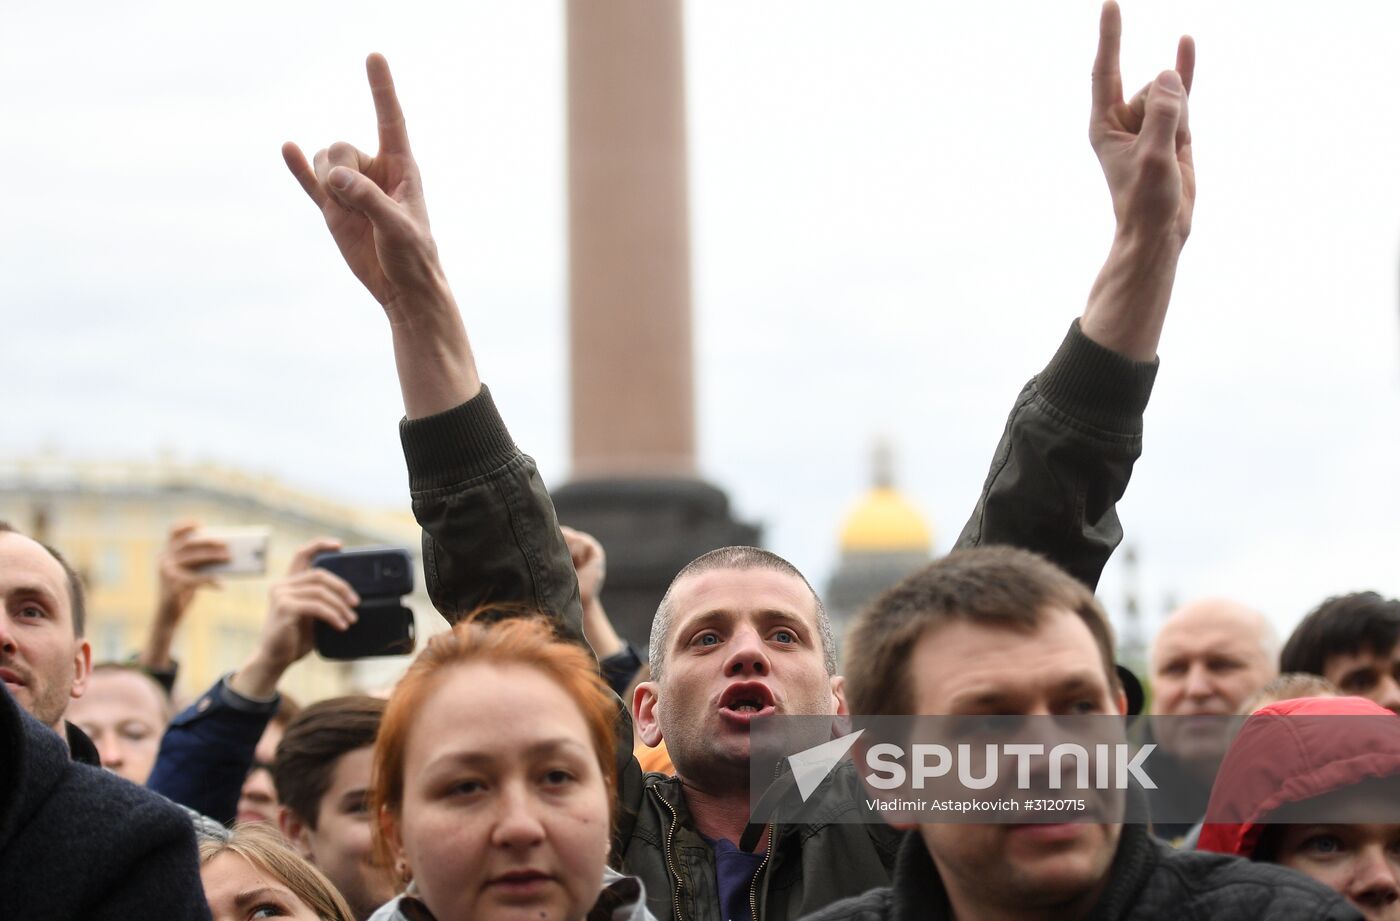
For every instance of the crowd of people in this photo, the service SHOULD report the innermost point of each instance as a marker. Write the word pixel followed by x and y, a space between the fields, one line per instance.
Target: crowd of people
pixel 528 766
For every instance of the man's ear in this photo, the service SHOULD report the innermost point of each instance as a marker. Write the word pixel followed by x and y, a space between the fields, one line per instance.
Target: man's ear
pixel 82 667
pixel 644 716
pixel 295 831
pixel 838 695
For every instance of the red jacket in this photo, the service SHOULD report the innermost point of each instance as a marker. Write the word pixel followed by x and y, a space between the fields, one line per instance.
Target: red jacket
pixel 1279 759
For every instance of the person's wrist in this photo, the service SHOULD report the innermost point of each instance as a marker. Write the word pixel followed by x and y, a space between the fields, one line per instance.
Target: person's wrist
pixel 423 309
pixel 259 676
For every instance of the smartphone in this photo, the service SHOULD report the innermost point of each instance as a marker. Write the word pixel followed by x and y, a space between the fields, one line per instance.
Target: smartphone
pixel 247 551
pixel 381 576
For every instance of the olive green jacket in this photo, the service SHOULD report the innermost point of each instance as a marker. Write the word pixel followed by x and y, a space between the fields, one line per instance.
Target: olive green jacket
pixel 490 536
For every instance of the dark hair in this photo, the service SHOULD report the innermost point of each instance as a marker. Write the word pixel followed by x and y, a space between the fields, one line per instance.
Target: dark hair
pixel 76 597
pixel 1341 625
pixel 998 586
pixel 318 738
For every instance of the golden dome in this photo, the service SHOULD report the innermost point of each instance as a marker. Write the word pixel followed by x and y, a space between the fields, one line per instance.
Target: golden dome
pixel 886 521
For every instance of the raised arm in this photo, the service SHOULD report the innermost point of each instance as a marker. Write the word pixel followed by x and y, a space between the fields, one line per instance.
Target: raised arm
pixel 490 535
pixel 208 749
pixel 1144 147
pixel 1068 449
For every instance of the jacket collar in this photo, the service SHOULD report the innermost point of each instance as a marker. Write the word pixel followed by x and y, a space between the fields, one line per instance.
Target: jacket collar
pixel 80 747
pixel 919 895
pixel 32 761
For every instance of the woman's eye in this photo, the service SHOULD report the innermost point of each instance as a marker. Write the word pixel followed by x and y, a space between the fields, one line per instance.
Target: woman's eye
pixel 468 787
pixel 558 777
pixel 1323 844
pixel 267 911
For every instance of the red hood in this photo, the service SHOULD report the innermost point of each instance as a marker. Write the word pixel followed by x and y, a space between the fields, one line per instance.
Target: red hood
pixel 1275 761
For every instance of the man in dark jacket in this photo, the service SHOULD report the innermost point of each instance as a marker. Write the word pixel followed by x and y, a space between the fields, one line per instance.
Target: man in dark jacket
pixel 77 842
pixel 742 633
pixel 1000 631
pixel 44 659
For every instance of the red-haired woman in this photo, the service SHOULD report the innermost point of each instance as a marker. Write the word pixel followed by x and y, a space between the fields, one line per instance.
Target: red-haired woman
pixel 493 781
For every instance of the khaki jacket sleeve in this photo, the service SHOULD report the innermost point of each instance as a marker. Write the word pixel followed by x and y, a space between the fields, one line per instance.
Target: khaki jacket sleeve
pixel 490 536
pixel 1065 458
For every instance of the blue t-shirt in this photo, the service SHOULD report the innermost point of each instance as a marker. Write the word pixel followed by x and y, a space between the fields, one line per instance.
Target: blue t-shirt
pixel 734 872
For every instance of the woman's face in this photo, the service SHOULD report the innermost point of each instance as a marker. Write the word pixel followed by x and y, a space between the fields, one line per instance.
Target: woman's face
pixel 505 812
pixel 238 890
pixel 1362 862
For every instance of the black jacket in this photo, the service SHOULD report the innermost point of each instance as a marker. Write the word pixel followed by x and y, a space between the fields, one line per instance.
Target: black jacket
pixel 1149 881
pixel 81 843
pixel 490 535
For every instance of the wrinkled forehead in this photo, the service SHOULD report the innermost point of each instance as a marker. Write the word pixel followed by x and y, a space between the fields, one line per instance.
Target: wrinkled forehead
pixel 1213 630
pixel 741 593
pixel 27 568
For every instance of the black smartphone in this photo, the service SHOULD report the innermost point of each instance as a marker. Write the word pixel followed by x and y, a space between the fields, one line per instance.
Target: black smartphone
pixel 381 576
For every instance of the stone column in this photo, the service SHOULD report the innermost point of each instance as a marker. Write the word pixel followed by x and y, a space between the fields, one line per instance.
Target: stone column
pixel 631 378
pixel 631 375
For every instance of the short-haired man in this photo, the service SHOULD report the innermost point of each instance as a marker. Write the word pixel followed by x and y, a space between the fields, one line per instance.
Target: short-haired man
pixel 75 841
pixel 124 712
pixel 1207 659
pixel 322 776
pixel 993 631
pixel 742 633
pixel 44 659
pixel 1354 642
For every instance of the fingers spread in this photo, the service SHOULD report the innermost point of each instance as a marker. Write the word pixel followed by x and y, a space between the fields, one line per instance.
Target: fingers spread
pixel 1108 82
pixel 393 131
pixel 303 173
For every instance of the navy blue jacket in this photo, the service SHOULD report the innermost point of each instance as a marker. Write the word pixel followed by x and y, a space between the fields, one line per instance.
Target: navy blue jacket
pixel 207 751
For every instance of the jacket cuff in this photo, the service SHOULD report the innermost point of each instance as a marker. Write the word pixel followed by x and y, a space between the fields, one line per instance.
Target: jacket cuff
pixel 230 698
pixel 463 443
pixel 1096 385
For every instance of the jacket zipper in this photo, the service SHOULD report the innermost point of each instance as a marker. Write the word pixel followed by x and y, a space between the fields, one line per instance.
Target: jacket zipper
pixel 757 874
pixel 666 851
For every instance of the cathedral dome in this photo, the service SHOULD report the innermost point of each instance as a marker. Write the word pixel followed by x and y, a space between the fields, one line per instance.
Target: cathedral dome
pixel 884 521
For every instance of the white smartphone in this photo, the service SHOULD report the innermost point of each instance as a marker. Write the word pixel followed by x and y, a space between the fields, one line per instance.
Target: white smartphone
pixel 247 551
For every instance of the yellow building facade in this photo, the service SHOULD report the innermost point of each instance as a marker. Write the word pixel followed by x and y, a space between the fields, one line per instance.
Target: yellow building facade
pixel 111 520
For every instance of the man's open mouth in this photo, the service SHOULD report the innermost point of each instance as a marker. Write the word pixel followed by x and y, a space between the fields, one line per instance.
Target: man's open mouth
pixel 748 698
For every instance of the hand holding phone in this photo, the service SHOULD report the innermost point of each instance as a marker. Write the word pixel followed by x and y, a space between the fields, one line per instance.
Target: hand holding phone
pixel 245 549
pixel 380 576
pixel 303 597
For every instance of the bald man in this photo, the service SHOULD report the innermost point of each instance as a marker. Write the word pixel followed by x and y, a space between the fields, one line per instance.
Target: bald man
pixel 1208 658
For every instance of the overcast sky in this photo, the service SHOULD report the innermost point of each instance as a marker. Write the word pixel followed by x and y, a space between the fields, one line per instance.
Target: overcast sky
pixel 896 214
